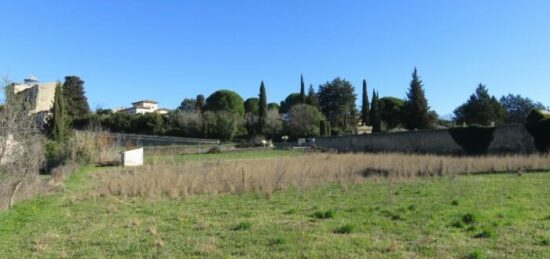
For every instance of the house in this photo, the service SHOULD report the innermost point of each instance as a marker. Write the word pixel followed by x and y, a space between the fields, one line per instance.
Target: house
pixel 143 107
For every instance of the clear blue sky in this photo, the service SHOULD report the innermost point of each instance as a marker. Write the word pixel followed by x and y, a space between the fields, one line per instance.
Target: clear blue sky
pixel 128 50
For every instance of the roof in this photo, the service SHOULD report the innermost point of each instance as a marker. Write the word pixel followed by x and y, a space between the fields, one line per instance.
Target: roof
pixel 31 78
pixel 146 101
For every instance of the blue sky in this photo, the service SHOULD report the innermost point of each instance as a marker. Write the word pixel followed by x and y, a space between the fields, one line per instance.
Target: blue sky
pixel 126 50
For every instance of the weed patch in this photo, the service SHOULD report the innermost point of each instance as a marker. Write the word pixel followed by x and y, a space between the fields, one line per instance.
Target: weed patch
pixel 345 229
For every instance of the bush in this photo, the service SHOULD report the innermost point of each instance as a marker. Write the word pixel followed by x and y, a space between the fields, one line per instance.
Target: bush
pixel 475 140
pixel 487 233
pixel 538 125
pixel 220 125
pixel 468 218
pixel 345 229
pixel 537 115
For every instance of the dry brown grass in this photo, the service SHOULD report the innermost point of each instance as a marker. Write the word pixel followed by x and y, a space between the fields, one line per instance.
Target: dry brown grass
pixel 267 175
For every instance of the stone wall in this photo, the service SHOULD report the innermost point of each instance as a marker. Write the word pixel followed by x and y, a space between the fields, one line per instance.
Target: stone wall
pixel 507 139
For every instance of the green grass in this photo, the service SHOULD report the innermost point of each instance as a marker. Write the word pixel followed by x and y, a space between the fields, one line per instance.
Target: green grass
pixel 235 155
pixel 502 216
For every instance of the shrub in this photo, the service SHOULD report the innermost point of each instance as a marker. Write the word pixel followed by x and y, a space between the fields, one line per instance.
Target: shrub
pixel 345 229
pixel 537 115
pixel 220 125
pixel 475 140
pixel 244 225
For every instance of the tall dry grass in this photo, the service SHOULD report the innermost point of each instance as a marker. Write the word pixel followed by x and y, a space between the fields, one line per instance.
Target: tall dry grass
pixel 267 175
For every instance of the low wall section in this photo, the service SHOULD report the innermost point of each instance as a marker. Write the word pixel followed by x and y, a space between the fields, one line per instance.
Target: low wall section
pixel 507 139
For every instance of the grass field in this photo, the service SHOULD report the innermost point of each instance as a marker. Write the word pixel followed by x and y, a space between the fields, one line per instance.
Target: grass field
pixel 494 216
pixel 223 156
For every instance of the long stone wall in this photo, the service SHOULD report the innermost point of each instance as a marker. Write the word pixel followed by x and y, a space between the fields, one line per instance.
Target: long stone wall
pixel 507 139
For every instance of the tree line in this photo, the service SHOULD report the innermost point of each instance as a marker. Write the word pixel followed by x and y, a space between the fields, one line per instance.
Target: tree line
pixel 328 110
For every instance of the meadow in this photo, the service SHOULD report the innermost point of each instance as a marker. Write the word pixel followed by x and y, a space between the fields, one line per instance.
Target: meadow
pixel 376 212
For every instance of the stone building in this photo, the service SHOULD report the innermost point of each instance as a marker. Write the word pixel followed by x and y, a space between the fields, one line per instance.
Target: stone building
pixel 40 95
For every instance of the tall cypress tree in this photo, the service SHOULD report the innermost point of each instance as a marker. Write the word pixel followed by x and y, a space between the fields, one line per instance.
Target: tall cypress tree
pixel 416 112
pixel 74 95
pixel 302 89
pixel 375 112
pixel 262 109
pixel 59 121
pixel 365 105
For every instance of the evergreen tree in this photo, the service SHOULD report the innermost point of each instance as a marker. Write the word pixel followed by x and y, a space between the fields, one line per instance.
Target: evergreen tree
pixel 302 89
pixel 311 98
pixel 337 102
pixel 74 95
pixel 481 109
pixel 365 105
pixel 200 103
pixel 59 121
pixel 416 112
pixel 375 113
pixel 262 109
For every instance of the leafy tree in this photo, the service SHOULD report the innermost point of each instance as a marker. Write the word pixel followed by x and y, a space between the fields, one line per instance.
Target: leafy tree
pixel 262 109
pixel 185 124
pixel 118 122
pixel 251 106
pixel 480 109
pixel 291 100
pixel 74 95
pixel 148 123
pixel 302 90
pixel 303 121
pixel 273 106
pixel 188 105
pixel 416 111
pixel 311 98
pixel 60 122
pixel 273 123
pixel 375 113
pixel 390 111
pixel 337 103
pixel 225 100
pixel 200 102
pixel 518 107
pixel 221 125
pixel 365 105
pixel 101 111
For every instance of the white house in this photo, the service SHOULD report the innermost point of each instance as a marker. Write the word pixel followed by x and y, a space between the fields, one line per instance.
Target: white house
pixel 143 107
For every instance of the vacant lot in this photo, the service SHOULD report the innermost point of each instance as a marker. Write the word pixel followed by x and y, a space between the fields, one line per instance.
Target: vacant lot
pixel 494 215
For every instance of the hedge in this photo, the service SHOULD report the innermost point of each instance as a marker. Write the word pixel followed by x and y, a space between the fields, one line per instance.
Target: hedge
pixel 474 140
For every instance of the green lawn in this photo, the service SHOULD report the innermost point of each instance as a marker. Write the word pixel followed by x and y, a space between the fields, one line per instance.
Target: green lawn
pixel 491 216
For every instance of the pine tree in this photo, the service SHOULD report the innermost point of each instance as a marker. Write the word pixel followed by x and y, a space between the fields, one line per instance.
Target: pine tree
pixel 416 112
pixel 365 105
pixel 375 112
pixel 262 109
pixel 302 89
pixel 59 121
pixel 74 95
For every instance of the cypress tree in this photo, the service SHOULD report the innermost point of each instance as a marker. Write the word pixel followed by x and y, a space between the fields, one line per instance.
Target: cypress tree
pixel 375 113
pixel 75 98
pixel 60 119
pixel 329 129
pixel 302 89
pixel 262 109
pixel 311 98
pixel 416 112
pixel 365 105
